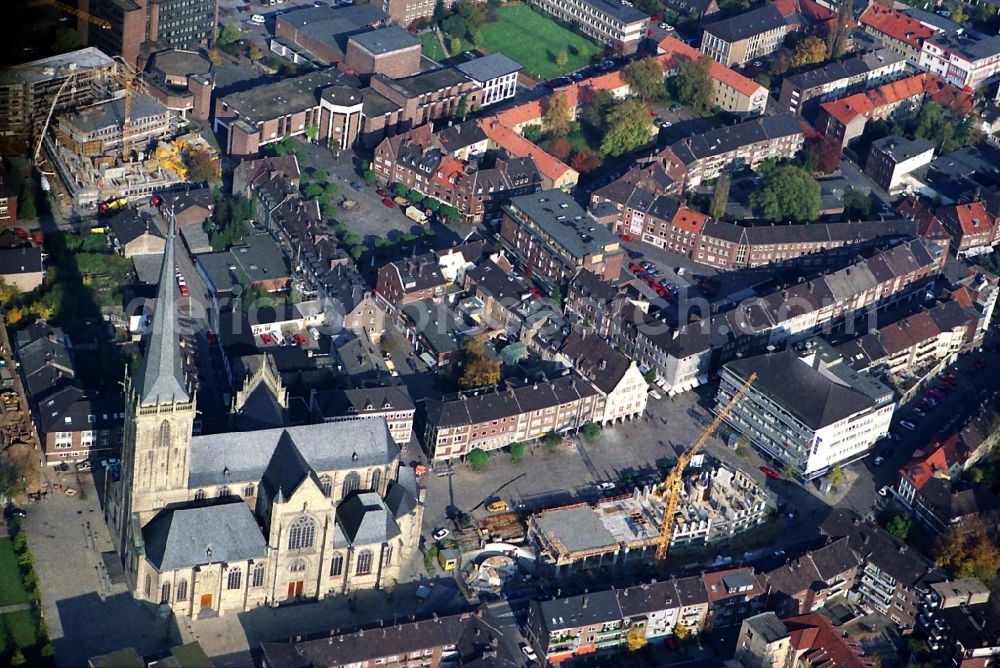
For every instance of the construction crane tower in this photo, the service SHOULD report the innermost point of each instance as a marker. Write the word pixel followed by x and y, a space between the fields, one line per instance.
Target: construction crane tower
pixel 673 483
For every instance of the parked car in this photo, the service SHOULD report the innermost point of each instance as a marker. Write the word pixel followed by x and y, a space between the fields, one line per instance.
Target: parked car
pixel 919 413
pixel 266 339
pixel 497 506
pixel 878 461
pixel 410 363
pixel 605 486
pixel 389 203
pixel 14 511
pixel 440 533
pixel 357 186
pixel 906 424
pixel 769 472
pixel 184 290
pixel 528 652
pixel 301 340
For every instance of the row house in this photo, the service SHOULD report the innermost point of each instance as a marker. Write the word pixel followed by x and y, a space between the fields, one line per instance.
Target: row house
pixel 734 147
pixel 805 583
pixel 553 237
pixel 392 403
pixel 427 276
pixel 896 31
pixel 765 641
pixel 595 302
pixel 603 621
pixel 683 357
pixel 493 419
pixel 494 284
pixel 802 92
pixel 474 190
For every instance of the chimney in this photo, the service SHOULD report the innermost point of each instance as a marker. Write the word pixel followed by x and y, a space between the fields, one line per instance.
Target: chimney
pixel 586 599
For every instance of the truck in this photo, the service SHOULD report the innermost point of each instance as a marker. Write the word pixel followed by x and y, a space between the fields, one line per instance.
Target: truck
pixel 415 214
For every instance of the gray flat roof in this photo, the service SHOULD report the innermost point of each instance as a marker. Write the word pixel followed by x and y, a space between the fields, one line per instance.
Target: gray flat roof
pixel 560 217
pixel 112 112
pixel 385 40
pixel 89 58
pixel 575 529
pixel 747 24
pixel 328 24
pixel 287 96
pixel 179 62
pixel 489 67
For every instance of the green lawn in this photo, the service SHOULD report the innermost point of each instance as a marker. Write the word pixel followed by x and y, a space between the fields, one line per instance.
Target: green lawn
pixel 11 588
pixel 534 40
pixel 431 46
pixel 22 626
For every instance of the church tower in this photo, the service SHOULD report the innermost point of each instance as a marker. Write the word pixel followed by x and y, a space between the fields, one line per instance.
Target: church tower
pixel 156 450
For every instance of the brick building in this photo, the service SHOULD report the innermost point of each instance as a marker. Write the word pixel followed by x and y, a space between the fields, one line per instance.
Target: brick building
pixel 621 26
pixel 554 238
pixel 322 32
pixel 745 37
pixel 390 51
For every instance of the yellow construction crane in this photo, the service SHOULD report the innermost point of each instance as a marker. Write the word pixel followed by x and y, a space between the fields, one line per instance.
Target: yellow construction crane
pixel 673 484
pixel 100 23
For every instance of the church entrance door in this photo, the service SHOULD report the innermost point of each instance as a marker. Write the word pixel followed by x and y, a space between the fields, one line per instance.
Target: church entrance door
pixel 206 601
pixel 295 588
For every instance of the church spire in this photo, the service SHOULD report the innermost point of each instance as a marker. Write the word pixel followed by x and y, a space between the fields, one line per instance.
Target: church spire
pixel 161 376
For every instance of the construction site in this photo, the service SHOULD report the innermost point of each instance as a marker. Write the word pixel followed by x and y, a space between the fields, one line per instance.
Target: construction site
pixel 714 504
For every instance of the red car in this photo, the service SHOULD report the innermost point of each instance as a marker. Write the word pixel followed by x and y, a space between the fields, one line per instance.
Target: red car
pixel 265 339
pixel 382 192
pixel 626 237
pixel 769 472
pixel 535 292
pixel 389 203
pixel 184 291
pixel 210 335
pixel 634 268
pixel 299 339
pixel 157 200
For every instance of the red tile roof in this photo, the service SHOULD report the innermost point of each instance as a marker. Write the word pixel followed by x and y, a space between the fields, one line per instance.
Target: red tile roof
pixel 848 108
pixel 689 219
pixel 972 217
pixel 963 297
pixel 896 25
pixel 674 52
pixel 936 462
pixel 548 165
pixel 819 642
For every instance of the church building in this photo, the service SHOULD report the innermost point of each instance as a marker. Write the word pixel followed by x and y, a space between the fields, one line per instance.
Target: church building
pixel 222 523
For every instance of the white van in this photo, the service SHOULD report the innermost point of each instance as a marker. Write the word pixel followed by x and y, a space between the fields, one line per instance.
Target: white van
pixel 258 19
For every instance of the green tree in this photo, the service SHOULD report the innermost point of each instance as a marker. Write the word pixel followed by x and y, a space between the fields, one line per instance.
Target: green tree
pixel 720 197
pixel 562 57
pixel 462 110
pixel 477 458
pixel 590 431
pixel 357 252
pixel 645 79
pixel 899 526
pixel 202 167
pixel 440 12
pixel 857 204
pixel 473 13
pixel 809 51
pixel 595 111
pixel 26 204
pixel 556 117
pixel 400 189
pixel 455 45
pixel 693 85
pixel 836 476
pixel 968 551
pixel 455 27
pixel 450 213
pixel 788 472
pixel 628 128
pixel 229 33
pixel 516 452
pixel 369 176
pixel 837 37
pixel 478 370
pixel 787 193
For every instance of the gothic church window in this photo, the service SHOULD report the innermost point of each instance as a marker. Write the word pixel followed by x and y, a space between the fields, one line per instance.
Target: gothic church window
pixel 235 579
pixel 298 566
pixel 376 479
pixel 325 485
pixel 302 533
pixel 165 593
pixel 337 565
pixel 364 563
pixel 164 434
pixel 351 483
pixel 182 590
pixel 258 576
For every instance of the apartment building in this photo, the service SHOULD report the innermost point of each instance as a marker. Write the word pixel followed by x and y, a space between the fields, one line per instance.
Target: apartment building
pixel 805 583
pixel 896 31
pixel 892 159
pixel 809 413
pixel 843 120
pixel 596 301
pixel 22 267
pixel 960 623
pixel 392 403
pixel 615 376
pixel 744 37
pixel 139 28
pixel 803 92
pixel 493 419
pixel 467 638
pixel 555 172
pixel 554 238
pixel 919 345
pixel 27 91
pixel 962 60
pixel 892 578
pixel 417 160
pixel 618 24
pixel 495 73
pixel 73 424
pixel 730 147
pixel 973 229
pixel 572 626
pixel 734 92
pixel 327 100
pixel 733 595
pixel 405 281
pixel 8 198
pixel 684 356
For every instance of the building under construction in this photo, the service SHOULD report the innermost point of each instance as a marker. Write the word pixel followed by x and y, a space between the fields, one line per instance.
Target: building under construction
pixel 97 159
pixel 716 503
pixel 27 91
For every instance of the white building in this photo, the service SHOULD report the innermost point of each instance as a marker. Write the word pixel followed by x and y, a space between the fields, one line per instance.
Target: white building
pixel 496 74
pixel 961 60
pixel 807 408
